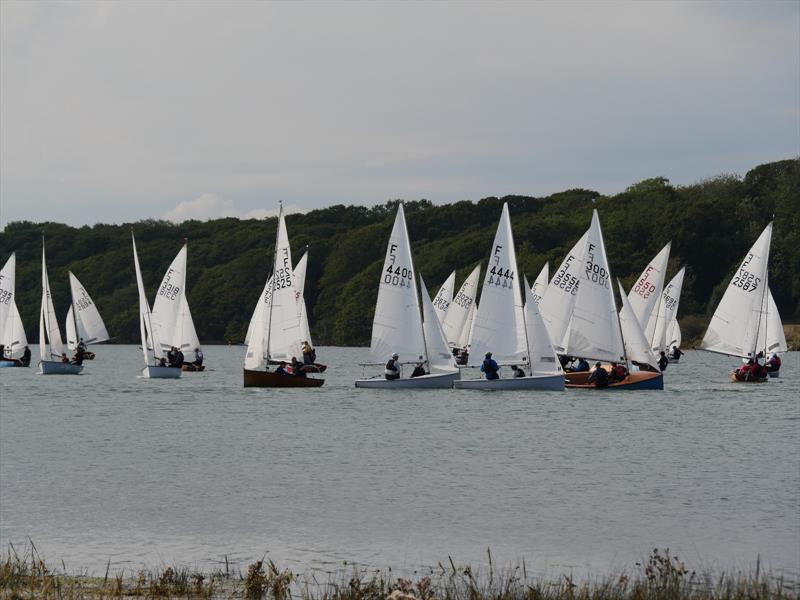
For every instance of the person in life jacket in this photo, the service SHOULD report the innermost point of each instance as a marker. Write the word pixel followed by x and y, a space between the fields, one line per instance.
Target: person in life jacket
pixel 745 372
pixel 392 370
pixel 759 370
pixel 419 368
pixel 309 354
pixel 675 353
pixel 490 367
pixel 663 361
pixel 518 372
pixel 599 376
pixel 774 363
pixel 618 372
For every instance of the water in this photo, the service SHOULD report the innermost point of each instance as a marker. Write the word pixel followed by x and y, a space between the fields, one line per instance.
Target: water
pixel 106 466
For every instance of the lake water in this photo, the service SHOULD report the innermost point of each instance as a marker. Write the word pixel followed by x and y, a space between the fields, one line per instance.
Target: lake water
pixel 107 466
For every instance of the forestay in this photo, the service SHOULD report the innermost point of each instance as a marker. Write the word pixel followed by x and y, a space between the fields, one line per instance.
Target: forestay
pixel 48 323
pixel 444 297
pixel 542 357
pixel 540 285
pixel 83 313
pixel 559 301
pixel 458 320
pixel 594 330
pixel 734 328
pixel 645 294
pixel 499 325
pixel 437 351
pixel 637 348
pixel 397 325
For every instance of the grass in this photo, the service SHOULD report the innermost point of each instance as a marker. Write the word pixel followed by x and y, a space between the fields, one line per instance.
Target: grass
pixel 661 577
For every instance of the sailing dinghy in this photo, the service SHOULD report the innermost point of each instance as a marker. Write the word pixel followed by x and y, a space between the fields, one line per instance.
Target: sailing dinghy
pixel 276 330
pixel 171 317
pixel 51 347
pixel 741 325
pixel 155 363
pixel 398 325
pixel 662 329
pixel 12 333
pixel 515 335
pixel 84 323
pixel 581 314
pixel 457 324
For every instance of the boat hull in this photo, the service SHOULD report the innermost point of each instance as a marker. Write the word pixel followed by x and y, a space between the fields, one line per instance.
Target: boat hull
pixel 150 372
pixel 11 363
pixel 192 368
pixel 735 378
pixel 774 373
pixel 548 383
pixel 434 381
pixel 51 367
pixel 272 379
pixel 637 380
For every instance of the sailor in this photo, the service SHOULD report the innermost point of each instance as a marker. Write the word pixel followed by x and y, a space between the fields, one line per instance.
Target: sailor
pixel 773 364
pixel 517 371
pixel 178 358
pixel 298 370
pixel 64 358
pixel 172 356
pixel 618 372
pixel 392 370
pixel 419 368
pixel 198 357
pixel 81 346
pixel 580 365
pixel 663 361
pixel 490 367
pixel 745 372
pixel 599 376
pixel 26 357
pixel 309 354
pixel 675 353
pixel 281 370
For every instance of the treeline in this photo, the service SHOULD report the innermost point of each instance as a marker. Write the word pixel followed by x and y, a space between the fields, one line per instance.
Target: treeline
pixel 711 224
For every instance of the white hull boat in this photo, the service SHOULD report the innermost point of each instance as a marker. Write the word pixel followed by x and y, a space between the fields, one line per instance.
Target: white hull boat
pixel 52 367
pixel 152 372
pixel 547 383
pixel 438 381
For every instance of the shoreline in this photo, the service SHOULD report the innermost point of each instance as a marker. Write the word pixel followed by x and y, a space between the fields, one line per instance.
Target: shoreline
pixel 662 575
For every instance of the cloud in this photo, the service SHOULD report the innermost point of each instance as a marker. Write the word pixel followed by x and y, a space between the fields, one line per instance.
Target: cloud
pixel 210 206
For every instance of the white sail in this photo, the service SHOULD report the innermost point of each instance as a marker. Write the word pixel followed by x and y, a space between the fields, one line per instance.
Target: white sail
pixel 255 358
pixel 637 348
pixel 444 297
pixel 258 312
pixel 734 328
pixel 16 341
pixel 662 325
pixel 457 322
pixel 499 326
pixel 7 283
pixel 436 349
pixel 148 332
pixel 559 301
pixel 300 283
pixel 540 285
pixel 185 333
pixel 542 356
pixel 48 321
pixel 771 337
pixel 284 339
pixel 397 325
pixel 645 294
pixel 166 315
pixel 83 311
pixel 469 327
pixel 594 330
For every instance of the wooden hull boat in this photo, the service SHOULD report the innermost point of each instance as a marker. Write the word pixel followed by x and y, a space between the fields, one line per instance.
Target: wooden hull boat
pixel 51 367
pixel 150 372
pixel 638 380
pixel 549 383
pixel 433 381
pixel 736 378
pixel 192 368
pixel 272 379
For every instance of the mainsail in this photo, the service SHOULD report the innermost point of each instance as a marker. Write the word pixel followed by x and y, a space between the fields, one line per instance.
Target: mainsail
pixel 457 323
pixel 542 357
pixel 436 348
pixel 48 323
pixel 444 297
pixel 171 316
pixel 148 332
pixel 662 328
pixel 12 333
pixel 499 325
pixel 83 319
pixel 645 294
pixel 637 348
pixel 540 285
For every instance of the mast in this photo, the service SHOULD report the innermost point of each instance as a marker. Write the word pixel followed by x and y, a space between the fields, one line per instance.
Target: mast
pixel 525 326
pixel 272 280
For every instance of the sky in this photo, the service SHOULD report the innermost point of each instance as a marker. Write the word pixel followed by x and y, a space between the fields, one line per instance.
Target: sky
pixel 119 111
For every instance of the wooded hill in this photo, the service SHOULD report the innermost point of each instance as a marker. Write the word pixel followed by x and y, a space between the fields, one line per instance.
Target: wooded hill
pixel 711 224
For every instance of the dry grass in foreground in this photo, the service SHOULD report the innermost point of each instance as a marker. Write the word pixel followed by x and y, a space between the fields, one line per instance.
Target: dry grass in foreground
pixel 661 577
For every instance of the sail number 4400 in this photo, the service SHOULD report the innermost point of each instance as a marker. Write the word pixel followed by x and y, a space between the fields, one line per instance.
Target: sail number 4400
pixel 398 276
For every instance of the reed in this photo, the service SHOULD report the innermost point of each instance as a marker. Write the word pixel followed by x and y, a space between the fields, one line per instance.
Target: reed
pixel 661 577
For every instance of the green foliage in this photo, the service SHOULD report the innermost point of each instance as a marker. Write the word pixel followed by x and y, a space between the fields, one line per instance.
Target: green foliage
pixel 711 223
